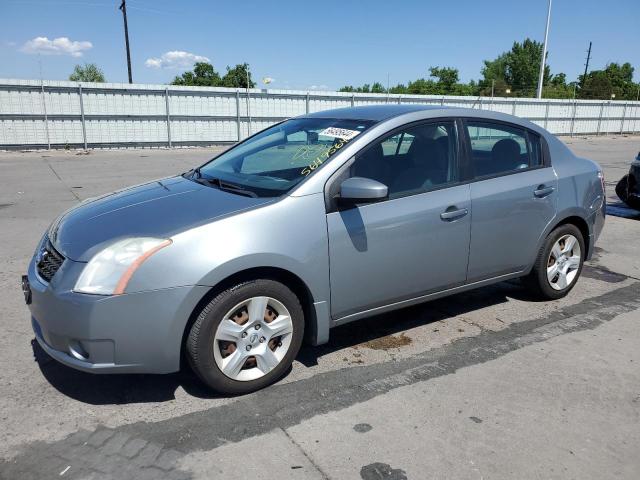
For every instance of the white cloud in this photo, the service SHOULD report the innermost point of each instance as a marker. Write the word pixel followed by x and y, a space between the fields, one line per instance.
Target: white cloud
pixel 57 46
pixel 175 59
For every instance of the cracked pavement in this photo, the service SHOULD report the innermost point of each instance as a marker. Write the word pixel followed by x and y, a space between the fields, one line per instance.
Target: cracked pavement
pixel 484 384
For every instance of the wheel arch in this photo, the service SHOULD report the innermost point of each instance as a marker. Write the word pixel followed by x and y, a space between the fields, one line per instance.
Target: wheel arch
pixel 286 277
pixel 582 225
pixel 571 216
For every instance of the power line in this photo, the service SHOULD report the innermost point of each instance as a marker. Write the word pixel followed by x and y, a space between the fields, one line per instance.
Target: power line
pixel 123 7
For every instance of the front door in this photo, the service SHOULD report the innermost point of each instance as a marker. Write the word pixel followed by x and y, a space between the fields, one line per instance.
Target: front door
pixel 414 243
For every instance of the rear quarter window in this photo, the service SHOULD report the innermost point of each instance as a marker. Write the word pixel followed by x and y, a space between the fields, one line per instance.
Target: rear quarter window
pixel 535 155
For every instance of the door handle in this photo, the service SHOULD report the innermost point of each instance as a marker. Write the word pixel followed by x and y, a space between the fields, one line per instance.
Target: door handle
pixel 543 191
pixel 449 215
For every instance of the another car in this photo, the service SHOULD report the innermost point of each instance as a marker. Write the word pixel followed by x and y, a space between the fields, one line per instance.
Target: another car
pixel 314 222
pixel 628 188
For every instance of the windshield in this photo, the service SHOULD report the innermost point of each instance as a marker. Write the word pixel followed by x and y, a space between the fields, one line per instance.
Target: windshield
pixel 274 161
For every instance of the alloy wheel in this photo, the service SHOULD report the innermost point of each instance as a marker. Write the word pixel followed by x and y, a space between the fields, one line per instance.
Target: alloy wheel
pixel 252 338
pixel 564 262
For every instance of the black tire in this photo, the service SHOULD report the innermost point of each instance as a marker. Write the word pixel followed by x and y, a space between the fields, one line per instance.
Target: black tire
pixel 622 188
pixel 537 280
pixel 199 343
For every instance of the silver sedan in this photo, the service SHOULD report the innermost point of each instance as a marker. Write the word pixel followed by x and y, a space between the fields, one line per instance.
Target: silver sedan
pixel 314 222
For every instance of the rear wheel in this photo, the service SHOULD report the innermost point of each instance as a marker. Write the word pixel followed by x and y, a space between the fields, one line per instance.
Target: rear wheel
pixel 246 337
pixel 558 264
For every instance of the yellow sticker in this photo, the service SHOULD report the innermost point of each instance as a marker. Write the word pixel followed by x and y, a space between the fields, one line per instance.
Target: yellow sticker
pixel 322 157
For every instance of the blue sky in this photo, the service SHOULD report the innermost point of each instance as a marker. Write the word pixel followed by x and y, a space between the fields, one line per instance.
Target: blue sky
pixel 308 45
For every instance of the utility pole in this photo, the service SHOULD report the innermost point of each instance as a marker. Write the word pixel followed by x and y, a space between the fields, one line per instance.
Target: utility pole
pixel 586 66
pixel 544 53
pixel 493 84
pixel 387 87
pixel 44 104
pixel 248 102
pixel 123 7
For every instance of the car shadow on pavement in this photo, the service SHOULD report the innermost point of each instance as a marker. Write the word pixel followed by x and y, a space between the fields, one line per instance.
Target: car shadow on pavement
pixel 398 321
pixel 621 209
pixel 118 389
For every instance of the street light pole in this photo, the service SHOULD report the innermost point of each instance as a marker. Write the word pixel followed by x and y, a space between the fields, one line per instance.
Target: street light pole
pixel 248 103
pixel 544 53
pixel 123 7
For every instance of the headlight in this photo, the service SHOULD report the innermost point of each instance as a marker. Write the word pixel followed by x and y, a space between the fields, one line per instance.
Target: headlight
pixel 109 271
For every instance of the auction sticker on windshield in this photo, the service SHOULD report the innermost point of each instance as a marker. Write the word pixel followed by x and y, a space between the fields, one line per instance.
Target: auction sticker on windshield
pixel 344 133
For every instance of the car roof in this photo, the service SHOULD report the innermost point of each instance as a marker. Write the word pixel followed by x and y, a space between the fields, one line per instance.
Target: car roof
pixel 376 113
pixel 382 113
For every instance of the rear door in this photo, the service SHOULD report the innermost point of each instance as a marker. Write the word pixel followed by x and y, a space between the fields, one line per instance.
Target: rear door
pixel 513 197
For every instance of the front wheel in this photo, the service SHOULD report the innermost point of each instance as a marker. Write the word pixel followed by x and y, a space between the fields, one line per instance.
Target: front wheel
pixel 247 337
pixel 558 264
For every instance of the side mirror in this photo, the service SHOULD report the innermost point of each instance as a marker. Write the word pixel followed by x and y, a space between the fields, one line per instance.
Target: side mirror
pixel 360 190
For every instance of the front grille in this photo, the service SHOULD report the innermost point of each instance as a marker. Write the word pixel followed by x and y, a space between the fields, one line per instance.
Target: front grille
pixel 49 261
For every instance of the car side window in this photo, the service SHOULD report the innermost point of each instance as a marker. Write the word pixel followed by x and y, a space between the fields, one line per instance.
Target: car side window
pixel 536 150
pixel 497 149
pixel 412 160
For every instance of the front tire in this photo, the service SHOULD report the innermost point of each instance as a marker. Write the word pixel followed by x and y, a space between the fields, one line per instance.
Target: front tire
pixel 558 264
pixel 246 337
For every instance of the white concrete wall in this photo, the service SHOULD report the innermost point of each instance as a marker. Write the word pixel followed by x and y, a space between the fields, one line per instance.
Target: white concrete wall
pixel 36 115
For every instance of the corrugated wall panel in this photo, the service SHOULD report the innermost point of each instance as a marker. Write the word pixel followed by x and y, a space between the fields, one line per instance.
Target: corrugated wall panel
pixel 122 114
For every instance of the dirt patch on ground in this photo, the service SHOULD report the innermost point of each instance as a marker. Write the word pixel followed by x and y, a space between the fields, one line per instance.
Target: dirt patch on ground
pixel 388 342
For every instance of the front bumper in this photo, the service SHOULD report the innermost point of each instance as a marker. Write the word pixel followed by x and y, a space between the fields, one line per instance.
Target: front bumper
pixel 130 333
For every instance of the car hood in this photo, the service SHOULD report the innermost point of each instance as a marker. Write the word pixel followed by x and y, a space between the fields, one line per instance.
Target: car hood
pixel 161 208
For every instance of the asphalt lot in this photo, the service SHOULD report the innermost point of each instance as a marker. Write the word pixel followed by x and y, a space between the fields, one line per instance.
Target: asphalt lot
pixel 485 384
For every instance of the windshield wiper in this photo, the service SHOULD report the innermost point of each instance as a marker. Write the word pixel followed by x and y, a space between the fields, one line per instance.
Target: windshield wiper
pixel 224 185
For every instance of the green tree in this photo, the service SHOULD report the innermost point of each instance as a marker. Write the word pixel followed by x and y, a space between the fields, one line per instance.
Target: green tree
pixel 447 77
pixel 515 73
pixel 377 87
pixel 559 80
pixel 517 69
pixel 399 88
pixel 423 87
pixel 465 89
pixel 614 79
pixel 237 77
pixel 89 72
pixel 203 75
pixel 598 85
pixel 497 87
pixel 494 70
pixel 523 67
pixel 558 87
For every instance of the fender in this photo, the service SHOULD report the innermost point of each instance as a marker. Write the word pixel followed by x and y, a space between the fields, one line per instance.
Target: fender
pixel 560 218
pixel 319 322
